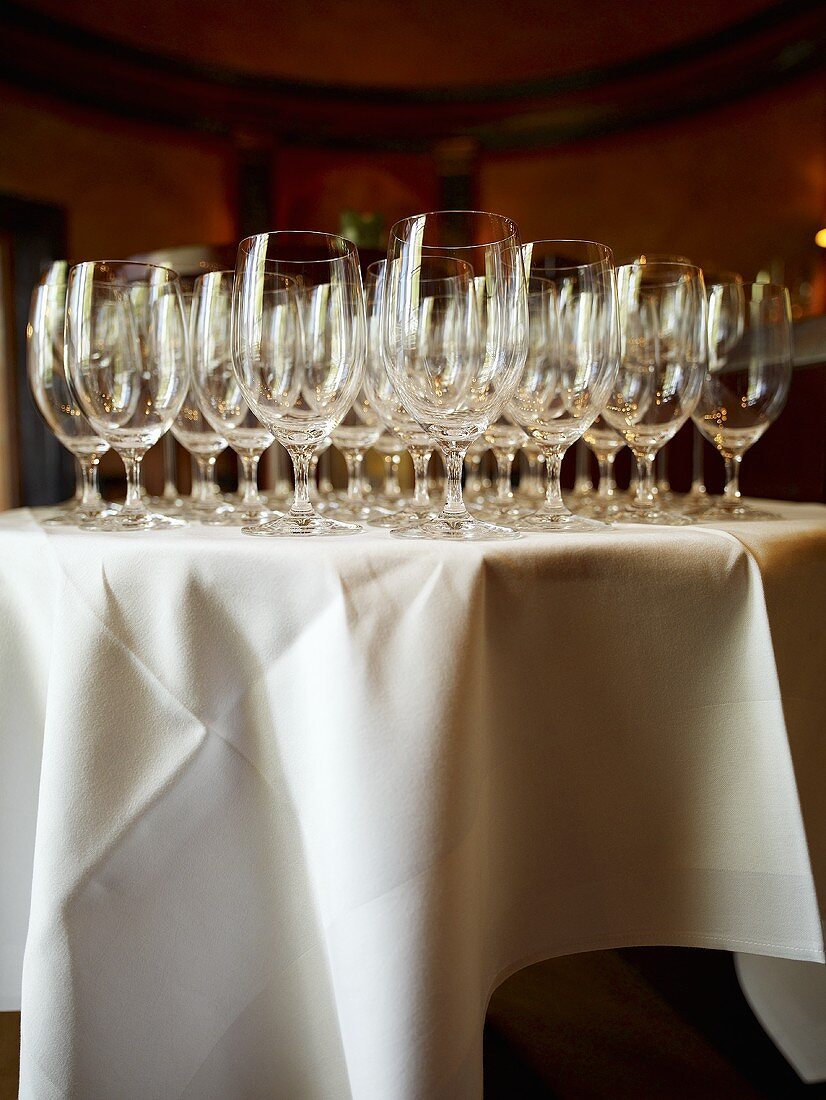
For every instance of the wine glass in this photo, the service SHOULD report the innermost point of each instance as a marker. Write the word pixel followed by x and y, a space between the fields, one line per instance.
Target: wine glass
pixel 572 361
pixel 662 485
pixel 662 309
pixel 378 384
pixel 744 389
pixel 728 331
pixel 505 439
pixel 455 347
pixel 197 436
pixel 127 358
pixel 299 349
pixel 220 398
pixel 203 444
pixel 56 403
pixel 358 430
pixel 605 443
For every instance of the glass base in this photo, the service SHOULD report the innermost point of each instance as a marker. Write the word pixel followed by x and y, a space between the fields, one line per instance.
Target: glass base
pixel 142 521
pixel 605 510
pixel 311 525
pixel 506 514
pixel 547 522
pixel 74 517
pixel 718 512
pixel 357 513
pixel 229 516
pixel 462 528
pixel 405 517
pixel 163 505
pixel 653 516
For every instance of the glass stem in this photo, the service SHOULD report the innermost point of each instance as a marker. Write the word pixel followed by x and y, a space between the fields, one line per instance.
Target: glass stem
pixel 662 482
pixel 553 487
pixel 607 484
pixel 78 497
pixel 301 458
pixel 504 465
pixel 211 489
pixel 170 490
pixel 249 471
pixel 732 489
pixel 283 486
pixel 698 487
pixel 392 488
pixel 645 496
pixel 535 473
pixel 133 505
pixel 474 480
pixel 582 478
pixel 88 483
pixel 454 456
pixel 421 487
pixel 204 483
pixel 354 461
pixel 325 484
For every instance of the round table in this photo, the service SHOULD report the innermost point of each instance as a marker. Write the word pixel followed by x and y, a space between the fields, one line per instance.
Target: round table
pixel 303 805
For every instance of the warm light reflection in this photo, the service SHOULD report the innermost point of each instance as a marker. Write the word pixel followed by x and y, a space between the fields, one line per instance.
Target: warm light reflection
pixel 820 237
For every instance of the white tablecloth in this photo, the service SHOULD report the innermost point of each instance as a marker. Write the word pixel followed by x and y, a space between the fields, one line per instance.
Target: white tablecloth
pixel 303 805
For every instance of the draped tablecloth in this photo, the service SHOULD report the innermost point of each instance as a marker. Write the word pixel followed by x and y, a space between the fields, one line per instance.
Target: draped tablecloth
pixel 303 805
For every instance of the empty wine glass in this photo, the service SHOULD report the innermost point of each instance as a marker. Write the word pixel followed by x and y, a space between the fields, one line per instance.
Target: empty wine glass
pixel 662 484
pixel 127 358
pixel 505 439
pixel 745 389
pixel 359 429
pixel 197 436
pixel 455 347
pixel 219 394
pixel 57 405
pixel 203 444
pixel 662 309
pixel 605 443
pixel 572 361
pixel 728 331
pixel 378 384
pixel 299 350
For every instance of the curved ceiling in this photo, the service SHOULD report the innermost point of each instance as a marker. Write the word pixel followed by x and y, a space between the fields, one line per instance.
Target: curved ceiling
pixel 383 75
pixel 403 43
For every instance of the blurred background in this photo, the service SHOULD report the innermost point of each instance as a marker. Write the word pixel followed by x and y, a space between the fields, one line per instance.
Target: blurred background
pixel 696 128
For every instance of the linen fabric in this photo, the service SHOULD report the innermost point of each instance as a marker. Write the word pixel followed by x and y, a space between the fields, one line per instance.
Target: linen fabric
pixel 303 805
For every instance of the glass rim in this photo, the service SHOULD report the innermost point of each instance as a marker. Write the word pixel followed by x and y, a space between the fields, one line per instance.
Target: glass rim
pixel 459 247
pixel 687 270
pixel 231 273
pixel 773 290
pixel 608 252
pixel 175 277
pixel 348 251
